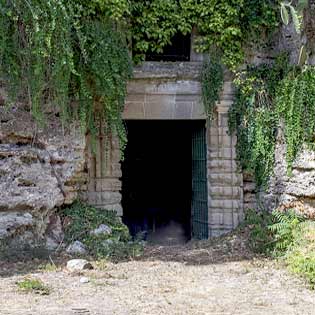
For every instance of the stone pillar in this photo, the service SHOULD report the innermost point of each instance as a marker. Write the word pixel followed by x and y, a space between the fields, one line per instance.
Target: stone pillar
pixel 104 171
pixel 225 182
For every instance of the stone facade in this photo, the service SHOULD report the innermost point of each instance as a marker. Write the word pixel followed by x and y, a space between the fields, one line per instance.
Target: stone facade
pixel 172 91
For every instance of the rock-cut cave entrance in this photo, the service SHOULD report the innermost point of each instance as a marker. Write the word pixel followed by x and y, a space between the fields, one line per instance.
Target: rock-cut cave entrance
pixel 164 190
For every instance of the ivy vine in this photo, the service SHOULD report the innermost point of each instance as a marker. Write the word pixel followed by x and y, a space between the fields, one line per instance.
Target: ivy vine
pixel 269 97
pixel 226 25
pixel 212 77
pixel 66 54
pixel 72 54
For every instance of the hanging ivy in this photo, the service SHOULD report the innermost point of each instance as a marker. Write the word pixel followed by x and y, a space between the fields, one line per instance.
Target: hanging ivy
pixel 212 77
pixel 269 96
pixel 68 55
pixel 72 54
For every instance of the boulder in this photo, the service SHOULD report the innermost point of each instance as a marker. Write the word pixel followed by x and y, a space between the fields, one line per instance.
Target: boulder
pixel 103 229
pixel 77 265
pixel 11 222
pixel 76 247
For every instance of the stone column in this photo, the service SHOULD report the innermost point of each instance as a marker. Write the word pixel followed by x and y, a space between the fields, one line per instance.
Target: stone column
pixel 104 171
pixel 225 181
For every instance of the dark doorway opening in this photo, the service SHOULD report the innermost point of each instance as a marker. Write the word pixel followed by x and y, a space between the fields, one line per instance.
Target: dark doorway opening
pixel 178 50
pixel 157 178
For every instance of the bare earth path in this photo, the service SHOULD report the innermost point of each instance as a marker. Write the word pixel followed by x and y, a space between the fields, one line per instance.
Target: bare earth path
pixel 197 280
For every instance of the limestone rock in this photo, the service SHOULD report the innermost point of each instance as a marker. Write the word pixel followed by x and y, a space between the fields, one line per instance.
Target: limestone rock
pixel 76 265
pixel 102 229
pixel 12 221
pixel 40 170
pixel 54 232
pixel 84 280
pixel 76 247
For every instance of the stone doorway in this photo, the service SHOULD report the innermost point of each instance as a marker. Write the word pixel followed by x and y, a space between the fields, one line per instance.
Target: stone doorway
pixel 162 91
pixel 157 179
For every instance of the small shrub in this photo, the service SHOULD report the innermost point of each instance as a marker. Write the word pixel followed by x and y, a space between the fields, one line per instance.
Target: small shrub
pixel 285 235
pixel 31 285
pixel 284 229
pixel 301 255
pixel 261 238
pixel 49 267
pixel 80 219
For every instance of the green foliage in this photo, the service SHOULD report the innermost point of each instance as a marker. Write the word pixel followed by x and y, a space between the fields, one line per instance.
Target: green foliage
pixel 284 229
pixel 295 106
pixel 212 83
pixel 301 255
pixel 83 219
pixel 285 235
pixel 287 9
pixel 254 118
pixel 261 238
pixel 65 54
pixel 270 97
pixel 32 285
pixel 225 25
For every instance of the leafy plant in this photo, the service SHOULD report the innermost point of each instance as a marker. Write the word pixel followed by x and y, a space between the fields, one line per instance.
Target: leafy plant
pixel 270 97
pixel 297 18
pixel 32 285
pixel 284 229
pixel 284 235
pixel 67 55
pixel 254 119
pixel 301 255
pixel 212 82
pixel 260 236
pixel 81 219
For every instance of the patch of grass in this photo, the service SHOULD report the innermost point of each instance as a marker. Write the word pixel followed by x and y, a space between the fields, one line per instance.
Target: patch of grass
pixel 49 267
pixel 32 285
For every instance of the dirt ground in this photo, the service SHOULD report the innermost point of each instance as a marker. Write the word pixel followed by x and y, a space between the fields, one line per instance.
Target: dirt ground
pixel 220 277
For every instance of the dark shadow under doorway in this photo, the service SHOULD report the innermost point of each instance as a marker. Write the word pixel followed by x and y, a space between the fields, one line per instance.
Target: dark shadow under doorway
pixel 157 179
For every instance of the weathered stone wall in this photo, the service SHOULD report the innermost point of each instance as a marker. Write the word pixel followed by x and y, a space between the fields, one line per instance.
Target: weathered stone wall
pixel 40 170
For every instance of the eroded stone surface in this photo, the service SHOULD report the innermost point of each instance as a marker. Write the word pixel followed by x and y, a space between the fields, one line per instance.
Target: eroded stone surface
pixel 40 170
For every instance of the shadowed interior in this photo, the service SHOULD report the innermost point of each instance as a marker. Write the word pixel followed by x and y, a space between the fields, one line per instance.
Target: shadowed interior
pixel 157 177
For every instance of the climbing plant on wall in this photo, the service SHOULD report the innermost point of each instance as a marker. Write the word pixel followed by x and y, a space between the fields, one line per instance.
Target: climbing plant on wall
pixel 226 25
pixel 73 54
pixel 270 97
pixel 211 83
pixel 66 54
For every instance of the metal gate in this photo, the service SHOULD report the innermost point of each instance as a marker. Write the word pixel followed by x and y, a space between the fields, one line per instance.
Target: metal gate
pixel 199 203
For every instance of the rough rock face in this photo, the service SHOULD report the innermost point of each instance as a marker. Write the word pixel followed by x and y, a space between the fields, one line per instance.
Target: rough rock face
pixel 40 169
pixel 297 190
